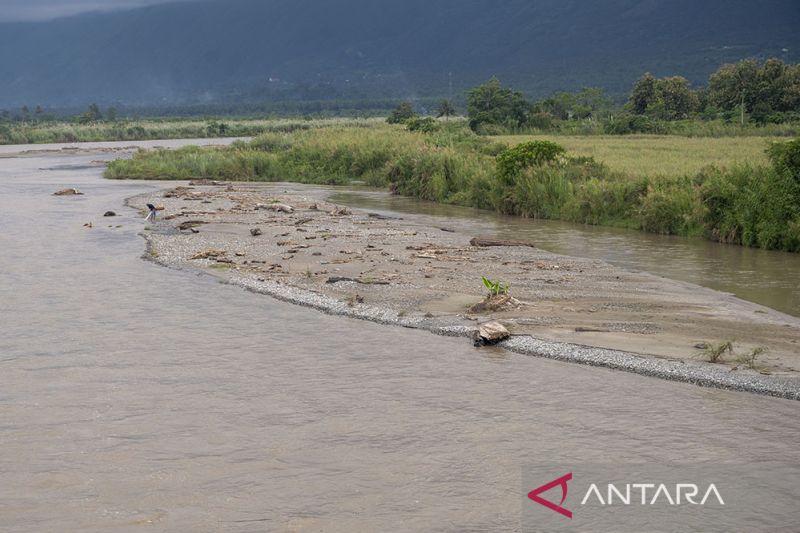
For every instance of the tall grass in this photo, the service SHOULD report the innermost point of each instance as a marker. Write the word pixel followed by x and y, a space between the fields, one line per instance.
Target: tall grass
pixel 750 204
pixel 139 130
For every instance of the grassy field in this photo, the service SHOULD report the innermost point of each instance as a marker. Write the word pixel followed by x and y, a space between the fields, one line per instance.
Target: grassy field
pixel 659 155
pixel 141 130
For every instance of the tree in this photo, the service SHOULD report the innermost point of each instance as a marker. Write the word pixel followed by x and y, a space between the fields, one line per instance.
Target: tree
pixel 643 94
pixel 663 98
pixel 92 114
pixel 674 92
pixel 111 114
pixel 401 113
pixel 735 86
pixel 491 103
pixel 445 109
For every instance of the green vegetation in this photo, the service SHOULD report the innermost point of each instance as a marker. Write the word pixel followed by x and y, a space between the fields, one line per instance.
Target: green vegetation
pixel 749 359
pixel 754 203
pixel 742 98
pixel 496 288
pixel 714 352
pixel 659 155
pixel 402 113
pixel 85 130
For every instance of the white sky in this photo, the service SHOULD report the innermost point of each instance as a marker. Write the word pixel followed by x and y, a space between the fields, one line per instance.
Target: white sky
pixel 49 9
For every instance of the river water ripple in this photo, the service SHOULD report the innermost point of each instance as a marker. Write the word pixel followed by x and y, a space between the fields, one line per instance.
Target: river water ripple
pixel 133 397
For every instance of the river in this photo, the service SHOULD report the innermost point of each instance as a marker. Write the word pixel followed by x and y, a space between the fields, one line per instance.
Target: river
pixel 137 398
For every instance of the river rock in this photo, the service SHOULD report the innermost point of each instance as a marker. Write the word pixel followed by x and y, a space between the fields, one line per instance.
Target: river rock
pixel 278 207
pixel 209 254
pixel 68 192
pixel 255 232
pixel 493 332
pixel 109 214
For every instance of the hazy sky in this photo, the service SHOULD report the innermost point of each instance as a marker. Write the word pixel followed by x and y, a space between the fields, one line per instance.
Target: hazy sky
pixel 48 9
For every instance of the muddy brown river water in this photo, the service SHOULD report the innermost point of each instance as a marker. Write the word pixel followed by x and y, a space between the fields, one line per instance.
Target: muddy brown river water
pixel 137 398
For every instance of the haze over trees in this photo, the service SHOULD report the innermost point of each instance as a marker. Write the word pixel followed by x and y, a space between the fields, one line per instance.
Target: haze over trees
pixel 317 55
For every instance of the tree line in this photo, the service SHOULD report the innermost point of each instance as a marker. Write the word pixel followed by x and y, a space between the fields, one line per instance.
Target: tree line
pixel 746 92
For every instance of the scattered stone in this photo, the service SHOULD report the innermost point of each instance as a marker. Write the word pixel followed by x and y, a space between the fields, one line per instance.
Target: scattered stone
pixel 177 192
pixel 492 332
pixel 448 230
pixel 88 225
pixel 277 207
pixel 189 224
pixel 204 182
pixel 255 232
pixel 208 254
pixel 109 214
pixel 340 212
pixel 68 192
pixel 303 221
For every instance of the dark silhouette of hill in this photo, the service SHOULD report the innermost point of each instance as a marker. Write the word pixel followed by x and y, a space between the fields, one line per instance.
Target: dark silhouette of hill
pixel 279 50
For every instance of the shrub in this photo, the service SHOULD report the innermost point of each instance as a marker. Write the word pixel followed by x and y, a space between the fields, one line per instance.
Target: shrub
pixel 424 125
pixel 785 157
pixel 401 113
pixel 527 154
pixel 668 208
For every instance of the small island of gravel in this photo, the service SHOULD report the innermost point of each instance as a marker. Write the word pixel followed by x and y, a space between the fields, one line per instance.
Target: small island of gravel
pixel 289 241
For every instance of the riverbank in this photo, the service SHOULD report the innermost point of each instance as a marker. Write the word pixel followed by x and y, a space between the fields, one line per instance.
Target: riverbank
pixel 405 272
pixel 745 204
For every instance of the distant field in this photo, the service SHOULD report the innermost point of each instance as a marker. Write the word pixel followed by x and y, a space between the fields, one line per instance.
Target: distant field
pixel 158 129
pixel 651 155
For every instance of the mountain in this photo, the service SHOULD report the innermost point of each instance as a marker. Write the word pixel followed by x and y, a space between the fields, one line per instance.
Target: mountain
pixel 291 50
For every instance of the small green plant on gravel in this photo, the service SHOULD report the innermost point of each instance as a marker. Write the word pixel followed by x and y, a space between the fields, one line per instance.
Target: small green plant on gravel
pixel 309 274
pixel 714 352
pixel 749 359
pixel 497 287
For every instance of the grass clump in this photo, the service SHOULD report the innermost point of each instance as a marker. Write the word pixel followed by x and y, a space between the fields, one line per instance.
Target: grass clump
pixel 749 359
pixel 713 352
pixel 497 287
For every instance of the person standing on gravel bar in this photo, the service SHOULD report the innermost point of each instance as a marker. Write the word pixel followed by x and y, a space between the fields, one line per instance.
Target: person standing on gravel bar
pixel 151 216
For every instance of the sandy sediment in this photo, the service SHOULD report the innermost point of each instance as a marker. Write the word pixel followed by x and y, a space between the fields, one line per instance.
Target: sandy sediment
pixel 402 271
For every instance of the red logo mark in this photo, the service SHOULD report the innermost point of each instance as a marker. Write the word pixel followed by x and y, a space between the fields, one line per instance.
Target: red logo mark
pixel 562 481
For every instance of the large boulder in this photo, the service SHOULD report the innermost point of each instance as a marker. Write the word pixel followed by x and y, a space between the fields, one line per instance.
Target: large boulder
pixel 493 332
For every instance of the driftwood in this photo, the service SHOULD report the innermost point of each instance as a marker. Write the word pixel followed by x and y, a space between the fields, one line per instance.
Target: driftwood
pixel 481 242
pixel 338 279
pixel 68 192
